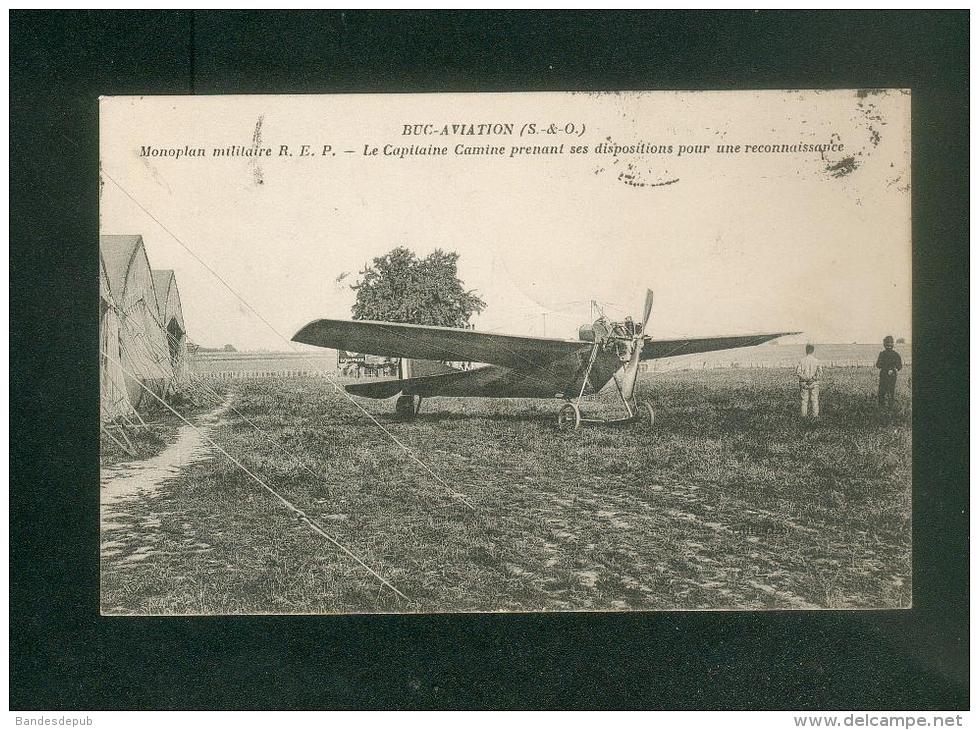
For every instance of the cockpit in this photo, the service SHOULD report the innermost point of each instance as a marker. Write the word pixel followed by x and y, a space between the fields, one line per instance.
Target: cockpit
pixel 618 336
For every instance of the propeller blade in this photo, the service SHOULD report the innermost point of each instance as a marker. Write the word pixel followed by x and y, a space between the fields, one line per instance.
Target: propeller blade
pixel 647 308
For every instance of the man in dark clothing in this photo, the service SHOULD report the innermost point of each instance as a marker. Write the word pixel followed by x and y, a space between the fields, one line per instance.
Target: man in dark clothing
pixel 888 362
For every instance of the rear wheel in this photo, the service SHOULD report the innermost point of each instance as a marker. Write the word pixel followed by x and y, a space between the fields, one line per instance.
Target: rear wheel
pixel 569 417
pixel 404 407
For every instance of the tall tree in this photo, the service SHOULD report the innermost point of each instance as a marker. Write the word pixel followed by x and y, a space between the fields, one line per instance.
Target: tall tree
pixel 401 287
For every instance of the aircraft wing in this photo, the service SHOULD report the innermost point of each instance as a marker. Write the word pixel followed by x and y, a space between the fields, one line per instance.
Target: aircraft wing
pixel 438 343
pixel 656 349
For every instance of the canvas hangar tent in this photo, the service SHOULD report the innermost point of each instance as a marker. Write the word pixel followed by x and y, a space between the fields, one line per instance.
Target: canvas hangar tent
pixel 172 321
pixel 113 395
pixel 145 362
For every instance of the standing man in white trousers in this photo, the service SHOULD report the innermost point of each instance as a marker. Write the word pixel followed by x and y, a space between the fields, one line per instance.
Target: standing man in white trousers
pixel 809 372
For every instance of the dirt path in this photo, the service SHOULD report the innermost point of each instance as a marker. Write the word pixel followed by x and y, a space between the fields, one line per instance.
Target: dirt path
pixel 126 483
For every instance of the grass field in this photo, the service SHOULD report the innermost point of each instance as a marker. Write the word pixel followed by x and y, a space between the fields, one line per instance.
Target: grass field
pixel 728 502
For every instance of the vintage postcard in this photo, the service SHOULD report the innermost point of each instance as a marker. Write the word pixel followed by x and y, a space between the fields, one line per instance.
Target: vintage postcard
pixel 505 352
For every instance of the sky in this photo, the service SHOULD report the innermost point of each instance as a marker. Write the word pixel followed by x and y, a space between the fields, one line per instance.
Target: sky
pixel 729 242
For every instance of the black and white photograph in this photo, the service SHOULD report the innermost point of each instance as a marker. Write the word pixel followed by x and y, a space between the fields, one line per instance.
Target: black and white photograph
pixel 504 360
pixel 505 352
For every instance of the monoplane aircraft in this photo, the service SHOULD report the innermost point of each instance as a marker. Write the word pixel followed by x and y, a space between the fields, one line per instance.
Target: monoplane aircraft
pixel 514 366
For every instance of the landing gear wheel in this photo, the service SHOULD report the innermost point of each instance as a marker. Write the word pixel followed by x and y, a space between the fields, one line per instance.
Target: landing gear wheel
pixel 404 407
pixel 569 417
pixel 645 415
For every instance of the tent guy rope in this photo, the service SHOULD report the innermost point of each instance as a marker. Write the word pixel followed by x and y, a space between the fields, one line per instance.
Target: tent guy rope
pixel 300 515
pixel 455 494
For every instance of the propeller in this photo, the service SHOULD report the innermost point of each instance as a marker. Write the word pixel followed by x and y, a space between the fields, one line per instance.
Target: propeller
pixel 647 309
pixel 626 377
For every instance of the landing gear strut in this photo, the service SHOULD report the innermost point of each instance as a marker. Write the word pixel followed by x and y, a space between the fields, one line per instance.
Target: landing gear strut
pixel 641 412
pixel 638 411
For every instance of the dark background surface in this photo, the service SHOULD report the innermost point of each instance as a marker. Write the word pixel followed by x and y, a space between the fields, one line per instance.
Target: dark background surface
pixel 63 655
